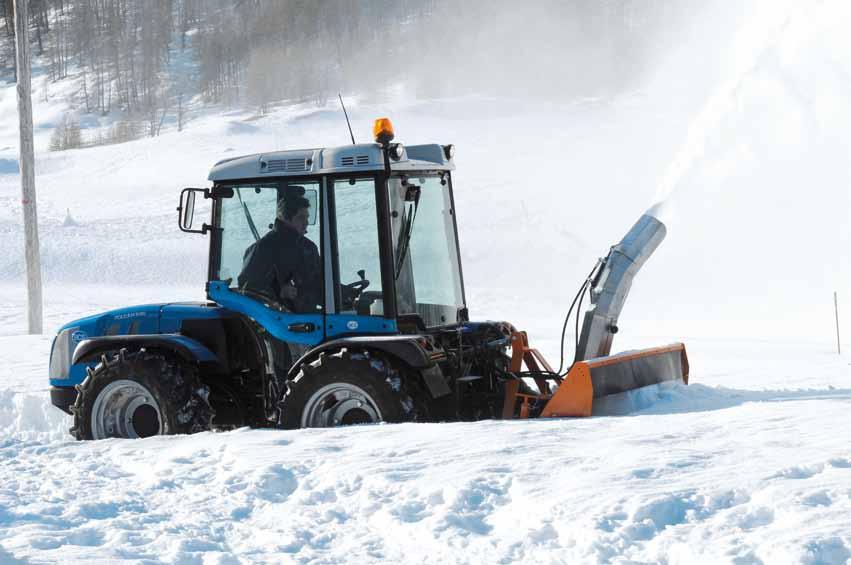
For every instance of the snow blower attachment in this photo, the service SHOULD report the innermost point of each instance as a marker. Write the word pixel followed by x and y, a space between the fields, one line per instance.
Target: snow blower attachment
pixel 594 373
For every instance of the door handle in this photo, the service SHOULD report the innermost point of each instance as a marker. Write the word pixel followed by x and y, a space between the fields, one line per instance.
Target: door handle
pixel 302 327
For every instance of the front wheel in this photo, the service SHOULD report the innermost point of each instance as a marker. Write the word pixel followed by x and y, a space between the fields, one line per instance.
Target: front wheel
pixel 344 389
pixel 140 394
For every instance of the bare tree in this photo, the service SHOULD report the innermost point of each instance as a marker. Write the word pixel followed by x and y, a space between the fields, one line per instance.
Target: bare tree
pixel 66 134
pixel 143 56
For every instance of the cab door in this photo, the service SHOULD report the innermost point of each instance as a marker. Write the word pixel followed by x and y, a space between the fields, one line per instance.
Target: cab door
pixel 255 271
pixel 360 303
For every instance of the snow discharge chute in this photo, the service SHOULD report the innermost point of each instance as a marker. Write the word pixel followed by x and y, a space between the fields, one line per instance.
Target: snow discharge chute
pixel 595 373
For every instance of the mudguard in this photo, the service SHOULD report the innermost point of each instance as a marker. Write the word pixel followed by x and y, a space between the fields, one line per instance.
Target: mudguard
pixel 187 348
pixel 415 351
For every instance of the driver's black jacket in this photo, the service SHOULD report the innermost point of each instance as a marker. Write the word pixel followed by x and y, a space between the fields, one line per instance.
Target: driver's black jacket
pixel 284 257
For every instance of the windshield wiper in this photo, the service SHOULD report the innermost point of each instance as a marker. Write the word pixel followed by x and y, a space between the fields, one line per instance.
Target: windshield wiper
pixel 412 194
pixel 250 221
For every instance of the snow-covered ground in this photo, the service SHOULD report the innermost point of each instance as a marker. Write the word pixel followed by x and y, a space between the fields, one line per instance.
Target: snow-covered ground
pixel 750 463
pixel 742 129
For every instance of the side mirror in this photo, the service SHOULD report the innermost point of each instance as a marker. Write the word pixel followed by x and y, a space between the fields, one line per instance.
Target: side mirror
pixel 186 209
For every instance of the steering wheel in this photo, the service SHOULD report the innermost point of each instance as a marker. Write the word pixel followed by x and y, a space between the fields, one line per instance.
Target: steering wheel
pixel 357 287
pixel 350 292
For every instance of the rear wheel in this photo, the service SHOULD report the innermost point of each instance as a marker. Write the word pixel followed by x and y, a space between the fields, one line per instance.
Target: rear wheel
pixel 345 389
pixel 140 394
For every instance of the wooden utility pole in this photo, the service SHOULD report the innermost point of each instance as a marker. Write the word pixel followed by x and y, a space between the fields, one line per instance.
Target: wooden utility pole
pixel 27 162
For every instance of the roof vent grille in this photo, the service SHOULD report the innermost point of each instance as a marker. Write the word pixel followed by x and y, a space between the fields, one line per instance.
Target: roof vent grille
pixel 286 165
pixel 352 160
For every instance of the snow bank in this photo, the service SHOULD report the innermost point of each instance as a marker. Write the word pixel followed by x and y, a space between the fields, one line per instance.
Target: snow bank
pixel 31 416
pixel 25 409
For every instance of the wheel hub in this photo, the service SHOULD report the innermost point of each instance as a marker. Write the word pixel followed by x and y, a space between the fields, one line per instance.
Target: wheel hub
pixel 125 409
pixel 339 404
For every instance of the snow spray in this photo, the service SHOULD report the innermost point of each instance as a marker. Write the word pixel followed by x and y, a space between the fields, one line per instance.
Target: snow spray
pixel 757 37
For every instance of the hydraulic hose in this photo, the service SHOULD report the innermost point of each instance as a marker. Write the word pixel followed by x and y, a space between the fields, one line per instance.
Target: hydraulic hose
pixel 579 295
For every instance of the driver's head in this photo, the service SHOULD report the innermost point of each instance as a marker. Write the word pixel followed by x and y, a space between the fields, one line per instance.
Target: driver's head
pixel 295 211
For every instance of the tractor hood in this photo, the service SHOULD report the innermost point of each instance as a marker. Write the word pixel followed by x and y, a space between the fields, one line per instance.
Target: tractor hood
pixel 134 320
pixel 142 319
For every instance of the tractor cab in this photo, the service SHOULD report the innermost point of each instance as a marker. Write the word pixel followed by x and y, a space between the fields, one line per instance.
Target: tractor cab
pixel 321 243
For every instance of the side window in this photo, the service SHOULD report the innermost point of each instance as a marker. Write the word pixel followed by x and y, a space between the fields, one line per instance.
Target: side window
pixel 270 250
pixel 357 246
pixel 245 218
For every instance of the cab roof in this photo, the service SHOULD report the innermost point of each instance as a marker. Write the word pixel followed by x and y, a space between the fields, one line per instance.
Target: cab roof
pixel 347 158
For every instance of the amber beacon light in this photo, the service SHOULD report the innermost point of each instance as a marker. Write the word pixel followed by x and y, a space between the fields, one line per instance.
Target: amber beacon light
pixel 382 131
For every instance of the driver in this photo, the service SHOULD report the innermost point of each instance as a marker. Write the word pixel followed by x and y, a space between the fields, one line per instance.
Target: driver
pixel 284 264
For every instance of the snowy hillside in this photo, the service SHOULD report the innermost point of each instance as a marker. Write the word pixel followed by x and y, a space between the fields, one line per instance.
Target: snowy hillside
pixel 741 131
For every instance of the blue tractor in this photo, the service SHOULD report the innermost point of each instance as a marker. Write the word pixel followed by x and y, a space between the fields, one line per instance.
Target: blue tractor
pixel 336 297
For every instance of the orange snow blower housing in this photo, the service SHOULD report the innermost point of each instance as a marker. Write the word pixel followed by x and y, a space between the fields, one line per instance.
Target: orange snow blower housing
pixel 595 373
pixel 586 380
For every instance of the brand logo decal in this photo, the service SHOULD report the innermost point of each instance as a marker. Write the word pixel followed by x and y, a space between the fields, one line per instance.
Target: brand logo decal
pixel 79 336
pixel 352 324
pixel 129 315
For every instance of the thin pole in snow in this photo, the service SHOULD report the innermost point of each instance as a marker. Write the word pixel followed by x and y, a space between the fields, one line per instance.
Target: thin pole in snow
pixel 836 311
pixel 27 158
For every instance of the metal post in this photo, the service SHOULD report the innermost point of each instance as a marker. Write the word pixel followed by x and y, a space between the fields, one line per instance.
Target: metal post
pixel 27 159
pixel 836 311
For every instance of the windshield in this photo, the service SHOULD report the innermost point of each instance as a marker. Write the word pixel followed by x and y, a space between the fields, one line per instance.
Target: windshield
pixel 428 275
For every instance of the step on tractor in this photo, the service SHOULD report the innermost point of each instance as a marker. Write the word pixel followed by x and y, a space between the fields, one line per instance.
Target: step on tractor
pixel 335 296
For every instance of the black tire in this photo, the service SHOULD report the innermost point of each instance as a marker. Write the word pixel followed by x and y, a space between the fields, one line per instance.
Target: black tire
pixel 142 393
pixel 372 380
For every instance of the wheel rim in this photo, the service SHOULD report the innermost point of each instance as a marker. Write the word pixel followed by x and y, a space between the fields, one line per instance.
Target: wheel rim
pixel 339 404
pixel 126 409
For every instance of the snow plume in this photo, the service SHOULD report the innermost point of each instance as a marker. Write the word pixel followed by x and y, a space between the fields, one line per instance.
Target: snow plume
pixel 661 210
pixel 755 38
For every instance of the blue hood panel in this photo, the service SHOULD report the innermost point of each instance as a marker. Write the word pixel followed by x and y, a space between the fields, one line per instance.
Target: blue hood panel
pixel 172 315
pixel 118 322
pixel 134 320
pixel 143 319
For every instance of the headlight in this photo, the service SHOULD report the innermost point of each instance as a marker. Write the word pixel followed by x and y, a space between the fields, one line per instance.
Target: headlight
pixel 449 151
pixel 60 355
pixel 397 151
